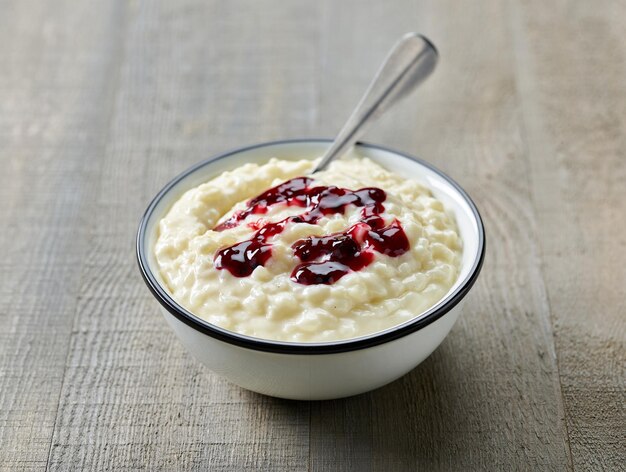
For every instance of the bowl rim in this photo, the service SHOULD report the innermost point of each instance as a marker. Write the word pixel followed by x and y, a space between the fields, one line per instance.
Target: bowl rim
pixel 285 347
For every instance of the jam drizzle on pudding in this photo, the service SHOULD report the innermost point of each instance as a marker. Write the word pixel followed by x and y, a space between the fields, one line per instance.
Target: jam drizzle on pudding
pixel 324 259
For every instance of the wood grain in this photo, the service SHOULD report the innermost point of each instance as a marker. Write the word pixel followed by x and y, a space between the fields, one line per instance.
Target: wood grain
pixel 572 76
pixel 102 102
pixel 54 98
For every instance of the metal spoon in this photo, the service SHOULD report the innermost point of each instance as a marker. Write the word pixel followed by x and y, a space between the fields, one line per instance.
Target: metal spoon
pixel 409 62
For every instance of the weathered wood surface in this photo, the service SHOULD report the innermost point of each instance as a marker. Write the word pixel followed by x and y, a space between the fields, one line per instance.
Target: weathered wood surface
pixel 102 102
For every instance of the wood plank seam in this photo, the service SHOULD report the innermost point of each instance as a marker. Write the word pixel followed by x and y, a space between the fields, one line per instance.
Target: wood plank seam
pixel 516 36
pixel 118 52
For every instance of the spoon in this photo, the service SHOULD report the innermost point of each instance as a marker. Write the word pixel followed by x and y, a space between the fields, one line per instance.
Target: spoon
pixel 409 62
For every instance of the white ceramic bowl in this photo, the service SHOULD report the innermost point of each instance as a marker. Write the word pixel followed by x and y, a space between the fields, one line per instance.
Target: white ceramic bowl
pixel 315 371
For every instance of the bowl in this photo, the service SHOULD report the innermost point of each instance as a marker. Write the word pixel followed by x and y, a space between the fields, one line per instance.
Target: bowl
pixel 315 371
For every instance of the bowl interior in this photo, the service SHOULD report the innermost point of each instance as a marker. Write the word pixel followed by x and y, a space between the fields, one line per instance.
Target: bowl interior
pixel 453 197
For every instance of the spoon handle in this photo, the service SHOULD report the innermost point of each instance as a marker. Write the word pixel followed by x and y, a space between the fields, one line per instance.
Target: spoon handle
pixel 409 62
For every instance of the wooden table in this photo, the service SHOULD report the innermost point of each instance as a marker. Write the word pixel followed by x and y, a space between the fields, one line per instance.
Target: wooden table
pixel 102 102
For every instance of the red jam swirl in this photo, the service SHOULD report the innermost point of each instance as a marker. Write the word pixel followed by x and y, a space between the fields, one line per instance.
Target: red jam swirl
pixel 324 259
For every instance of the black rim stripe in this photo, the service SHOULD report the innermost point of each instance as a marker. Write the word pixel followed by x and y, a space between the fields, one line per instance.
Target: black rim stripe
pixel 258 344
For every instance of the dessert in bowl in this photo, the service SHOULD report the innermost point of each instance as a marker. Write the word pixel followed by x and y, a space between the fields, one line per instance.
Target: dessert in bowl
pixel 311 286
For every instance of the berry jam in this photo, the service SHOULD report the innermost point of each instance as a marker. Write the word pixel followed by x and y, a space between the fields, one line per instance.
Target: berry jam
pixel 291 193
pixel 324 259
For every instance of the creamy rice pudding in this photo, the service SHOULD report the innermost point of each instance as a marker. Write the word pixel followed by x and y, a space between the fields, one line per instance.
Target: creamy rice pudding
pixel 272 252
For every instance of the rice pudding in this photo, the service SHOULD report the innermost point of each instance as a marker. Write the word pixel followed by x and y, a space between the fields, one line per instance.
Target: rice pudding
pixel 272 252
